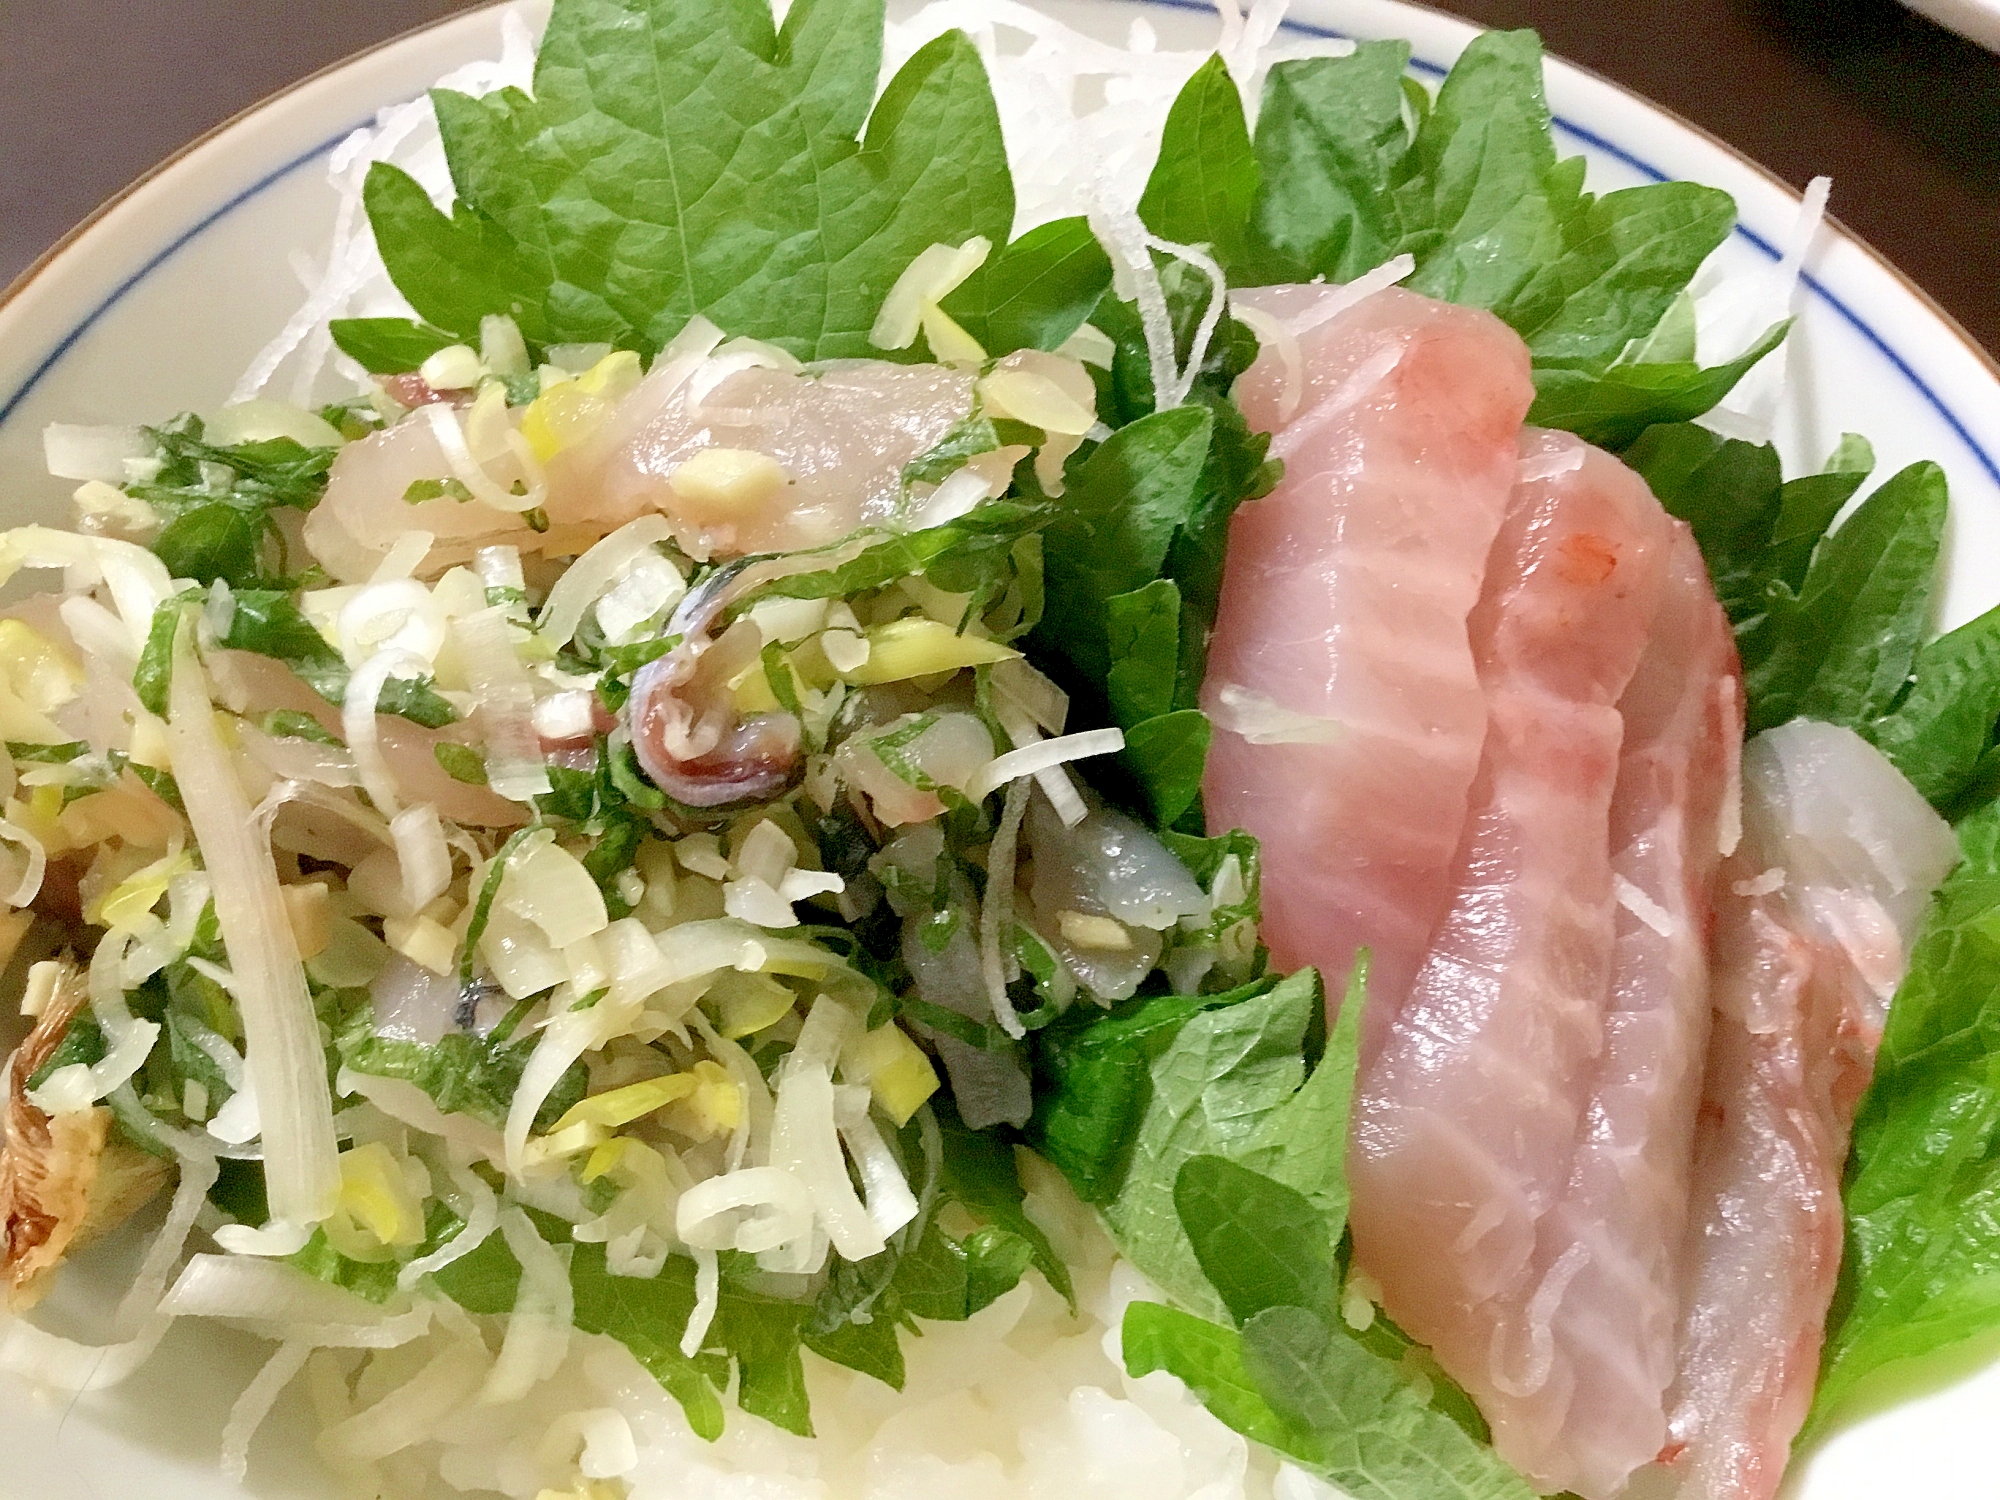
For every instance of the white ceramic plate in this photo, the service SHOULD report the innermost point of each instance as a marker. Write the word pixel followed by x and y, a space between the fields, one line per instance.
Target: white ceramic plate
pixel 1977 19
pixel 158 303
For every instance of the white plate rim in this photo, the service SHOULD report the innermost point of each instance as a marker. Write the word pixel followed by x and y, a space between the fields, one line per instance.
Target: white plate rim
pixel 101 221
pixel 145 200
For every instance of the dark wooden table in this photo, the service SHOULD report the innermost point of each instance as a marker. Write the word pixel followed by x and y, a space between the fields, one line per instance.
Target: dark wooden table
pixel 1905 116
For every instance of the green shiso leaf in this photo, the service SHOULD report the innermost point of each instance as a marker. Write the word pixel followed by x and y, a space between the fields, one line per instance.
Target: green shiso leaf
pixel 1330 138
pixel 388 346
pixel 684 156
pixel 1938 733
pixel 1922 1266
pixel 1842 648
pixel 1259 1243
pixel 1338 180
pixel 1374 1433
pixel 1036 292
pixel 215 504
pixel 1204 182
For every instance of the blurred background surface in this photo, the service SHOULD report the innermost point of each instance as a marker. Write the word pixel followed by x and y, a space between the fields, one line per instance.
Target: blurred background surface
pixel 1904 115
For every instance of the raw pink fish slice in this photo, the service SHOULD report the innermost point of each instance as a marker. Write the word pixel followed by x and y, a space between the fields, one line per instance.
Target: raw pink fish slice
pixel 1348 713
pixel 1468 1113
pixel 1839 857
pixel 1606 1271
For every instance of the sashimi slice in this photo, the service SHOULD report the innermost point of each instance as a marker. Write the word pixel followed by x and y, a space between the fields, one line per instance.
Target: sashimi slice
pixel 1468 1111
pixel 1607 1262
pixel 841 433
pixel 1839 857
pixel 1347 709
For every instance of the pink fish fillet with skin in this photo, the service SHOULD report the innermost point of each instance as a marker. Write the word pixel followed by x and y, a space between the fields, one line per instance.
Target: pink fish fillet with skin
pixel 1605 1311
pixel 1468 1112
pixel 1347 710
pixel 1820 903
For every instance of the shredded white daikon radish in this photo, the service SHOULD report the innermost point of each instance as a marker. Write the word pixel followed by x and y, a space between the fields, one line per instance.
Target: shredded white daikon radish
pixel 514 765
pixel 538 1329
pixel 597 570
pixel 411 1412
pixel 351 279
pixel 707 1298
pixel 141 1319
pixel 1733 313
pixel 250 1409
pixel 1124 236
pixel 473 1201
pixel 286 1067
pixel 264 1291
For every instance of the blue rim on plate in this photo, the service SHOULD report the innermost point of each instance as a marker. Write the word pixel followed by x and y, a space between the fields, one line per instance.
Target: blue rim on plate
pixel 1589 138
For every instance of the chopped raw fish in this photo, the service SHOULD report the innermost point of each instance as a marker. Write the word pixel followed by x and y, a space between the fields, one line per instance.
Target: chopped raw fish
pixel 836 438
pixel 1606 1274
pixel 1468 1111
pixel 1348 713
pixel 364 510
pixel 1820 903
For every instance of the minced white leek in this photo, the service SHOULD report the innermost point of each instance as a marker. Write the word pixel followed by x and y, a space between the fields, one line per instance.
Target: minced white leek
pixel 514 765
pixel 71 451
pixel 466 469
pixel 30 883
pixel 934 274
pixel 357 723
pixel 286 1067
pixel 996 911
pixel 885 1190
pixel 422 854
pixel 1042 755
pixel 597 570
